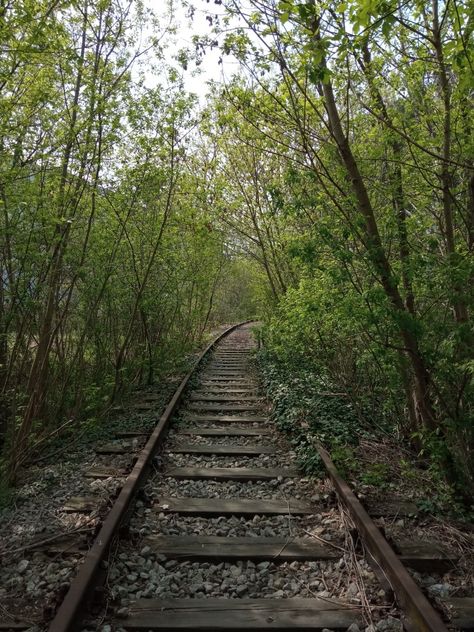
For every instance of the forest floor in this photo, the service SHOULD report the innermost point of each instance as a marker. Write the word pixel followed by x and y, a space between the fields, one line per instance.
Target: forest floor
pixel 409 501
pixel 36 512
pixel 378 467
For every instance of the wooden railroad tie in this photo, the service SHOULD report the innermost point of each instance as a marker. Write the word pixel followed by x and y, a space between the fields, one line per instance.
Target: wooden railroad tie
pixel 82 504
pixel 227 419
pixel 124 447
pixel 230 473
pixel 225 382
pixel 231 391
pixel 226 432
pixel 233 507
pixel 240 614
pixel 257 549
pixel 223 407
pixel 234 397
pixel 104 471
pixel 223 450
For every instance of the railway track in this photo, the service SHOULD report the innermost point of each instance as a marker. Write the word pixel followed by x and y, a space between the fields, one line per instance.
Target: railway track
pixel 226 534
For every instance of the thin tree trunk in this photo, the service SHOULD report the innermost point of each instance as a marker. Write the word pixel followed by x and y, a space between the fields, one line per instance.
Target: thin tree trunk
pixel 376 252
pixel 37 382
pixel 123 348
pixel 459 305
pixel 398 195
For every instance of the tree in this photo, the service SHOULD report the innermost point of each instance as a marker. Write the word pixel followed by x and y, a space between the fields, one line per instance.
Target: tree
pixel 354 102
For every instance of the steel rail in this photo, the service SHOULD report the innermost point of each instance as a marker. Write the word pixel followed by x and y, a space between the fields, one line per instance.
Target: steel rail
pixel 70 613
pixel 420 614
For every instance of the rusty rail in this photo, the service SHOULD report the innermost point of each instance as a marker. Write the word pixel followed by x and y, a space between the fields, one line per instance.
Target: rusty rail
pixel 420 614
pixel 70 613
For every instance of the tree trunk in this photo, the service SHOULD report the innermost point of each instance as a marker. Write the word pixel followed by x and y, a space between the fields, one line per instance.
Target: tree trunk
pixel 376 252
pixel 459 305
pixel 37 381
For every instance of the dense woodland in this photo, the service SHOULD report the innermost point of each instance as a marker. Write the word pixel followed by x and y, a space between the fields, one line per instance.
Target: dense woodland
pixel 326 188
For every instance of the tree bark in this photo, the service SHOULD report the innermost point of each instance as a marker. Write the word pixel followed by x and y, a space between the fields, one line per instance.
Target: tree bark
pixel 375 250
pixel 459 305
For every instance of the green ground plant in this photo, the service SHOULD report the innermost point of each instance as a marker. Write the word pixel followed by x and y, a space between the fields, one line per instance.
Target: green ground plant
pixel 304 410
pixel 325 188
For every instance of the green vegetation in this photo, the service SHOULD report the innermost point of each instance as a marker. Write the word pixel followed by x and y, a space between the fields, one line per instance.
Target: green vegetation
pixel 110 261
pixel 354 164
pixel 307 412
pixel 327 187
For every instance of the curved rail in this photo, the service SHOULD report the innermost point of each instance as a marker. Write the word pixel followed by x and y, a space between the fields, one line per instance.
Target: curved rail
pixel 420 614
pixel 68 616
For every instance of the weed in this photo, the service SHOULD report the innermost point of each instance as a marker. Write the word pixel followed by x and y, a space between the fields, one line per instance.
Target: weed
pixel 376 474
pixel 344 459
pixel 304 410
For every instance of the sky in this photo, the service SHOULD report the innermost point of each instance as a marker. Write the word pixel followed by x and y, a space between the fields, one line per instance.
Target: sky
pixel 210 69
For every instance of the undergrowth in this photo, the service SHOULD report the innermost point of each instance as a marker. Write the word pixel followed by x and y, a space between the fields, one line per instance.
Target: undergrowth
pixel 308 410
pixel 96 427
pixel 305 408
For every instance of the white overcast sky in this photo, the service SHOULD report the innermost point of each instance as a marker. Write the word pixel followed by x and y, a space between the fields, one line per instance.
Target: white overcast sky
pixel 210 69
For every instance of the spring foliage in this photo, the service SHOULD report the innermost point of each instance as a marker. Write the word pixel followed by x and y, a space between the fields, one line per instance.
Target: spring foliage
pixel 348 146
pixel 109 258
pixel 328 186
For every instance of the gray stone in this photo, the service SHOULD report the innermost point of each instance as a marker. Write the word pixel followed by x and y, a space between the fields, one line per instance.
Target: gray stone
pixel 428 581
pixel 22 566
pixel 171 564
pixel 440 590
pixel 389 625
